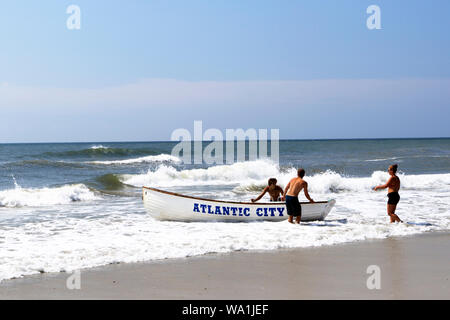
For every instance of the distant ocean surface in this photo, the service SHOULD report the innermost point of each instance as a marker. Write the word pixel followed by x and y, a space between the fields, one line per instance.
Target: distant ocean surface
pixel 66 206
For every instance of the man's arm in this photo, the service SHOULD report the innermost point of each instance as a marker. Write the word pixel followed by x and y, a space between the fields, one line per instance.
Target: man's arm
pixel 305 188
pixel 383 186
pixel 261 195
pixel 285 191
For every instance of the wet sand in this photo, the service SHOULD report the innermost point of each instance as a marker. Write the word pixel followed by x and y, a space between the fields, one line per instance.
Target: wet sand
pixel 415 267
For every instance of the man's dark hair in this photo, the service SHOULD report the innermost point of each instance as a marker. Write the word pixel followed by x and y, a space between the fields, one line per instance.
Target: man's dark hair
pixel 272 181
pixel 301 172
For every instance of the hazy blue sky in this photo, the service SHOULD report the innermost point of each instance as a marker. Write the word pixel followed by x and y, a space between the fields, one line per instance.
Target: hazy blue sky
pixel 137 70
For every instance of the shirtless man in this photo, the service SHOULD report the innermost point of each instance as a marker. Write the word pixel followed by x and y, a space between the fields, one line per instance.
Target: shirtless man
pixel 273 189
pixel 393 186
pixel 293 188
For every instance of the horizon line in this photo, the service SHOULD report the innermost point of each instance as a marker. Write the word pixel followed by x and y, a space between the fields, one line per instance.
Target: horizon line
pixel 225 140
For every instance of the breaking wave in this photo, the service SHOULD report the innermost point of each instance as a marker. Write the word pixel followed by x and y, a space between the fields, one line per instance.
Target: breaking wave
pixel 110 182
pixel 96 151
pixel 46 163
pixel 157 158
pixel 38 197
pixel 240 172
pixel 251 176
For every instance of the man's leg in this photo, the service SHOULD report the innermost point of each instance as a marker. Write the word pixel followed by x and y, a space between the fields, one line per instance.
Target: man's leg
pixel 290 219
pixel 391 212
pixel 299 212
pixel 396 217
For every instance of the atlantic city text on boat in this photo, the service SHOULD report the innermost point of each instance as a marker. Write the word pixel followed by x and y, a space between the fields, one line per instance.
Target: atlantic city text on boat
pixel 238 211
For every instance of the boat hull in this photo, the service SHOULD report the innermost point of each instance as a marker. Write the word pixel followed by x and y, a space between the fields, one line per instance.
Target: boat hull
pixel 163 205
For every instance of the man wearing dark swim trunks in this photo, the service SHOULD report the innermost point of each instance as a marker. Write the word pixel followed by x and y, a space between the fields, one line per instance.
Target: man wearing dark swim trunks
pixel 393 197
pixel 293 188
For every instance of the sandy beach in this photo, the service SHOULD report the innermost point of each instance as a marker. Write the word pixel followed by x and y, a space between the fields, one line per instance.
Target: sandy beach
pixel 414 267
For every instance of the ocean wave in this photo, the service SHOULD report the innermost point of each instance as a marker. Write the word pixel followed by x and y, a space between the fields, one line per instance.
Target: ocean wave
pixel 74 164
pixel 100 150
pixel 168 176
pixel 109 182
pixel 46 163
pixel 157 158
pixel 408 157
pixel 382 159
pixel 332 182
pixel 251 176
pixel 95 147
pixel 38 197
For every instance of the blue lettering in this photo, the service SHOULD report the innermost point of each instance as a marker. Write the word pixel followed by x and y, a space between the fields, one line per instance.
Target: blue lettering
pixel 226 210
pixel 247 212
pixel 280 210
pixel 218 210
pixel 209 209
pixel 196 207
pixel 203 206
pixel 233 210
pixel 258 212
pixel 272 211
pixel 265 212
pixel 240 212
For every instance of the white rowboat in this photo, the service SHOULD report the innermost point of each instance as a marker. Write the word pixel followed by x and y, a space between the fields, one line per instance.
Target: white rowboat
pixel 164 205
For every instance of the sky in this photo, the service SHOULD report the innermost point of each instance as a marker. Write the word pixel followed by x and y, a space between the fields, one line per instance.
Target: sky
pixel 138 70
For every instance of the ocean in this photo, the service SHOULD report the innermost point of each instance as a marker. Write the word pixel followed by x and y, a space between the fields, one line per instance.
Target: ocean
pixel 68 206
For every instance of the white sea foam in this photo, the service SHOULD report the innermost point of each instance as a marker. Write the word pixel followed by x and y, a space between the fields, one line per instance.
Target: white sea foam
pixel 117 230
pixel 157 158
pixel 247 175
pixel 98 147
pixel 240 172
pixel 408 157
pixel 72 244
pixel 37 197
pixel 382 159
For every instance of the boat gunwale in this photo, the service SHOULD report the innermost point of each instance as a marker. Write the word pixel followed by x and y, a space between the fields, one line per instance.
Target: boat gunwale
pixel 223 201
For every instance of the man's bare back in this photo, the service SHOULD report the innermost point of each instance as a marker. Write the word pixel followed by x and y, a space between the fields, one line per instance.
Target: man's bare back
pixel 291 192
pixel 295 186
